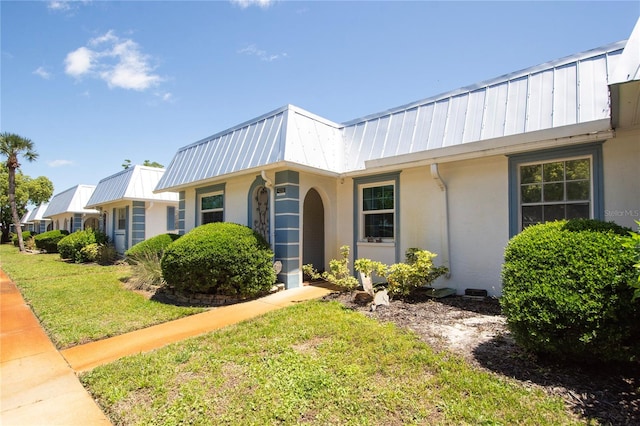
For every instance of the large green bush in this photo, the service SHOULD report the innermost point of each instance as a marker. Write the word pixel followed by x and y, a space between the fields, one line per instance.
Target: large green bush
pixel 566 291
pixel 48 241
pixel 70 247
pixel 154 245
pixel 221 258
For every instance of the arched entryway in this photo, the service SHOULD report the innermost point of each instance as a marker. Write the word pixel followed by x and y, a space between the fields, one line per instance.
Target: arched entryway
pixel 313 230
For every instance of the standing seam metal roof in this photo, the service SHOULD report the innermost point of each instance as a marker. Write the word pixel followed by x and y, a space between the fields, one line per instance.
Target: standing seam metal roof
pixel 71 200
pixel 134 183
pixel 563 92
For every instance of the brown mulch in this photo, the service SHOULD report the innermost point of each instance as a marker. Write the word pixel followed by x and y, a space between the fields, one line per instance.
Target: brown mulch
pixel 475 329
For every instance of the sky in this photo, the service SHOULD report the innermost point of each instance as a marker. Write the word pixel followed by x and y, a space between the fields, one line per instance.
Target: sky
pixel 95 83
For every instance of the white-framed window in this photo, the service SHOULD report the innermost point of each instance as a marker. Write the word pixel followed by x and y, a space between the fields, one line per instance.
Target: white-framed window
pixel 212 207
pixel 377 211
pixel 565 183
pixel 121 222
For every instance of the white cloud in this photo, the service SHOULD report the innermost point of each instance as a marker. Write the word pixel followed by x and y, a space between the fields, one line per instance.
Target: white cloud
pixel 243 4
pixel 252 50
pixel 59 5
pixel 79 61
pixel 119 62
pixel 59 163
pixel 40 71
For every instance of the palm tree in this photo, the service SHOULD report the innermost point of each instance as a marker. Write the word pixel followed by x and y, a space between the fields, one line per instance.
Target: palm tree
pixel 12 146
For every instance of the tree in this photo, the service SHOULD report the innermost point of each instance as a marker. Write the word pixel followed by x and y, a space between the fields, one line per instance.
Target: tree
pixel 13 146
pixel 28 191
pixel 127 164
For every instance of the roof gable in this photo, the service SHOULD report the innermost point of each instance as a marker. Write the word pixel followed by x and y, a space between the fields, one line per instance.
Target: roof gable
pixel 134 183
pixel 72 200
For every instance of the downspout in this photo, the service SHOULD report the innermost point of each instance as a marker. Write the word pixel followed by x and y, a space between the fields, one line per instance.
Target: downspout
pixel 272 208
pixel 445 218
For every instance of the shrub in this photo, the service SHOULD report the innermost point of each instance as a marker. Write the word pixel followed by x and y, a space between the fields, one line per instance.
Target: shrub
pixel 26 235
pixel 338 274
pixel 566 291
pixel 48 241
pixel 146 272
pixel 418 271
pixel 154 245
pixel 103 254
pixel 221 258
pixel 70 247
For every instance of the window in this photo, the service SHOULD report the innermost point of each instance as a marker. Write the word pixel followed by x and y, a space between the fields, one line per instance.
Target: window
pixel 122 218
pixel 212 208
pixel 555 190
pixel 378 211
pixel 554 185
pixel 172 218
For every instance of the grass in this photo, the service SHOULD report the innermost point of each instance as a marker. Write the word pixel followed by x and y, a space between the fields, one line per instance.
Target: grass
pixel 78 303
pixel 313 363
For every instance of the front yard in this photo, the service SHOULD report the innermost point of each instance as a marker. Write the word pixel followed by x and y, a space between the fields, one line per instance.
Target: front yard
pixel 321 362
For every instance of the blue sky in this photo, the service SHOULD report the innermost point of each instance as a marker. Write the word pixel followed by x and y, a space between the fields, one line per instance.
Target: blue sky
pixel 93 83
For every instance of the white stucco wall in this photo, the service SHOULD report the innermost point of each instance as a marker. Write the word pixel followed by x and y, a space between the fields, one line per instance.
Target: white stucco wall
pixel 622 178
pixel 156 218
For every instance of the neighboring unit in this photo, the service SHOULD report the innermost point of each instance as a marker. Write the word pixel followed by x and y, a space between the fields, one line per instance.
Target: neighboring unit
pixel 457 174
pixel 67 210
pixel 36 221
pixel 130 211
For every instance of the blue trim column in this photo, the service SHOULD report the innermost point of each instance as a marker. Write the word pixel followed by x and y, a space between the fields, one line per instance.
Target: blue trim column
pixel 181 212
pixel 138 222
pixel 287 227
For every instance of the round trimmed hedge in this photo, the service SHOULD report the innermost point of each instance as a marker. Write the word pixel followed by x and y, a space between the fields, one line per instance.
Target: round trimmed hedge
pixel 219 258
pixel 153 246
pixel 566 291
pixel 48 241
pixel 70 247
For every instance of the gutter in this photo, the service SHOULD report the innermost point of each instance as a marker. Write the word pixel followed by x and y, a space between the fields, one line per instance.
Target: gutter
pixel 435 173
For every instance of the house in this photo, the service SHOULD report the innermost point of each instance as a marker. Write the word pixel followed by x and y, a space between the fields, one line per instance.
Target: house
pixel 457 174
pixel 130 211
pixel 67 212
pixel 24 223
pixel 37 222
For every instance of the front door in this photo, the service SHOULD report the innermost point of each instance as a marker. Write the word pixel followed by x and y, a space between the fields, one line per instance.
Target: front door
pixel 313 231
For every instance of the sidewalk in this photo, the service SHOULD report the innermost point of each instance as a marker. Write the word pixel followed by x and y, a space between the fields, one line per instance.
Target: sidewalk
pixel 38 384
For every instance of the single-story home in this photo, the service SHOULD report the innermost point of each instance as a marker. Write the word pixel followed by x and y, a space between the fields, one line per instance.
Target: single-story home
pixel 67 210
pixel 130 211
pixel 457 174
pixel 36 221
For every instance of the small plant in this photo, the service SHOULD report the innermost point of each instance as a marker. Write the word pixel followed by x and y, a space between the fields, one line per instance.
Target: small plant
pixel 338 274
pixel 418 271
pixel 103 254
pixel 146 272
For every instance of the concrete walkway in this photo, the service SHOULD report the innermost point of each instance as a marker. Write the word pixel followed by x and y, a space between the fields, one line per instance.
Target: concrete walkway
pixel 38 384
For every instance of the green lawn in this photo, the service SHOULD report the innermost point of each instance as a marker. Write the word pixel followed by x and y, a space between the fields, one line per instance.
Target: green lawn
pixel 313 363
pixel 78 303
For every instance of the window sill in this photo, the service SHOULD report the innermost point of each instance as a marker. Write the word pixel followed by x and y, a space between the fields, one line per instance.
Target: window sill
pixel 374 244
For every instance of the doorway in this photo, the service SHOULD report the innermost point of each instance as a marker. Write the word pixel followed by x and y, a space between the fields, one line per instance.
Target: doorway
pixel 313 230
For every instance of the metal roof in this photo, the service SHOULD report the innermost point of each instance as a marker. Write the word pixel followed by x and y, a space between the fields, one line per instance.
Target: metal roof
pixel 37 214
pixel 567 91
pixel 564 92
pixel 134 183
pixel 71 200
pixel 628 68
pixel 286 134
